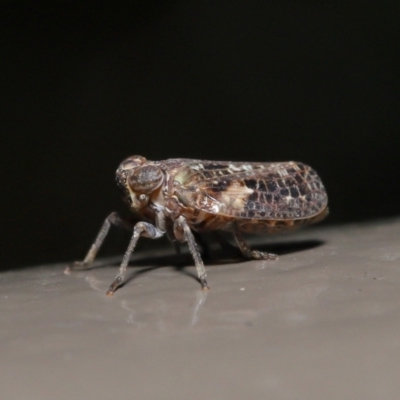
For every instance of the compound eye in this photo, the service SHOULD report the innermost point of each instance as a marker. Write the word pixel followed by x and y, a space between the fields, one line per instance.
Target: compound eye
pixel 146 179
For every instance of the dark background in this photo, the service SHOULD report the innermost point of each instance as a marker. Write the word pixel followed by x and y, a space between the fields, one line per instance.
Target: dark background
pixel 85 84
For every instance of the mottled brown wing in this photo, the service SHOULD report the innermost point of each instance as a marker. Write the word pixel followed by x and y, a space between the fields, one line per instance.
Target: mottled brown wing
pixel 270 191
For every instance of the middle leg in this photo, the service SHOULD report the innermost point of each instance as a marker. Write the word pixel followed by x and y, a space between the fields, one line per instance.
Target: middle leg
pixel 183 232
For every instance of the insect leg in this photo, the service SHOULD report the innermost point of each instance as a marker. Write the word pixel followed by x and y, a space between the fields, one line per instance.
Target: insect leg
pixel 224 244
pixel 202 243
pixel 141 229
pixel 176 246
pixel 170 235
pixel 182 226
pixel 247 251
pixel 112 219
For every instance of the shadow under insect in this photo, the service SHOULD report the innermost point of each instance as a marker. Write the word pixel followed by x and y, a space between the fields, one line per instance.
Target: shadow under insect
pixel 227 253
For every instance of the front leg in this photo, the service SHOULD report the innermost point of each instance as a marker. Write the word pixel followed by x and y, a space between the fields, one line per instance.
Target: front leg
pixel 112 219
pixel 183 233
pixel 141 229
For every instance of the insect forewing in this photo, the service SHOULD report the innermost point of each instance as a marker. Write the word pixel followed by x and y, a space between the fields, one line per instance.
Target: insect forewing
pixel 269 191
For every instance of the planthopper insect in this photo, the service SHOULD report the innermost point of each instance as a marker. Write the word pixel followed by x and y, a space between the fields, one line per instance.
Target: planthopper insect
pixel 178 196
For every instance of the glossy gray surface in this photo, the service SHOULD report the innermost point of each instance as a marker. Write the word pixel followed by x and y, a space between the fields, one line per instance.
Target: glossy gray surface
pixel 321 322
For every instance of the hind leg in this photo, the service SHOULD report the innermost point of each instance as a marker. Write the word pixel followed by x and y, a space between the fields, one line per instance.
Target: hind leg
pixel 247 251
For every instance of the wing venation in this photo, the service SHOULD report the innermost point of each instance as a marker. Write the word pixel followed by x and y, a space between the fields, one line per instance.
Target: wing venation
pixel 270 191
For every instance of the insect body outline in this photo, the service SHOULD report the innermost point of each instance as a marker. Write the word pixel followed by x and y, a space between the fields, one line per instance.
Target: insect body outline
pixel 175 197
